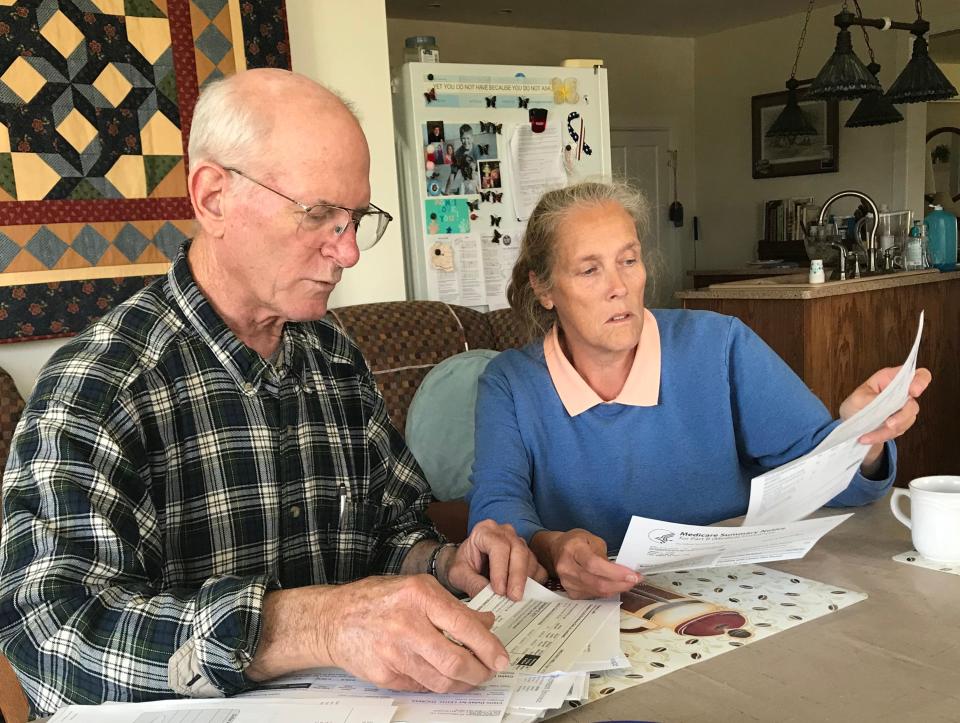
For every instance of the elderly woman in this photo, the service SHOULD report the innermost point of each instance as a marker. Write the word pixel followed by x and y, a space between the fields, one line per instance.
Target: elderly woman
pixel 619 410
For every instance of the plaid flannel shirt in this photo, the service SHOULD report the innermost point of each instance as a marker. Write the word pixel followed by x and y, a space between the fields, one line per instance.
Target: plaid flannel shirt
pixel 164 476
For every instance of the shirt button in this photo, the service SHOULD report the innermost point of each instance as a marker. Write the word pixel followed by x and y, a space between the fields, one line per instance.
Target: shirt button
pixel 295 511
pixel 248 388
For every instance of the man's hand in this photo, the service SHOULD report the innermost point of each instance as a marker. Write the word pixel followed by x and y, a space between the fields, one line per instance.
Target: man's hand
pixel 897 423
pixel 397 632
pixel 496 554
pixel 390 631
pixel 579 559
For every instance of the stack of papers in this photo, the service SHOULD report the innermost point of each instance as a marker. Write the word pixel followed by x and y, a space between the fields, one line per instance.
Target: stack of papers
pixel 777 499
pixel 554 643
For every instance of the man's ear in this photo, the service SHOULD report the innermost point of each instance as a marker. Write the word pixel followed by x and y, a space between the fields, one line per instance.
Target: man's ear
pixel 544 296
pixel 207 183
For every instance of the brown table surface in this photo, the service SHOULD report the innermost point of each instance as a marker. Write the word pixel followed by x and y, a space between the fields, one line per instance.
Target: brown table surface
pixel 892 657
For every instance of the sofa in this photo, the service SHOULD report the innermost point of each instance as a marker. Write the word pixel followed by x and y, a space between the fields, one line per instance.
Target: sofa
pixel 401 341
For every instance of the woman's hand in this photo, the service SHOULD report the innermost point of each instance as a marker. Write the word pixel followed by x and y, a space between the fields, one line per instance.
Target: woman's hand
pixel 897 423
pixel 493 554
pixel 579 559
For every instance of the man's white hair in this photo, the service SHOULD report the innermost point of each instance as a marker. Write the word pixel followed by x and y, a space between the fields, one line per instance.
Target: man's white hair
pixel 229 129
pixel 226 127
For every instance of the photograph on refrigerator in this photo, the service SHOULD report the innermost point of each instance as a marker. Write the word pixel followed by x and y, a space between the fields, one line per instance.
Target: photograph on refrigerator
pixel 451 154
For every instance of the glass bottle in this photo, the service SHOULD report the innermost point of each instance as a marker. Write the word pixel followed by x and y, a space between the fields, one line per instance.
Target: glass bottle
pixel 913 253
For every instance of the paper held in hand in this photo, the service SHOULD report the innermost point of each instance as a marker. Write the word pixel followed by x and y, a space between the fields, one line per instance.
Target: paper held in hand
pixel 806 484
pixel 777 499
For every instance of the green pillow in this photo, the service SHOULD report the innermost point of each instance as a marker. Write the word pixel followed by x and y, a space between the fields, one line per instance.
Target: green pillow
pixel 440 422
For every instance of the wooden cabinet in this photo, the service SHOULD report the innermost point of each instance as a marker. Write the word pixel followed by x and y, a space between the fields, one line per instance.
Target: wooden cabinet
pixel 835 341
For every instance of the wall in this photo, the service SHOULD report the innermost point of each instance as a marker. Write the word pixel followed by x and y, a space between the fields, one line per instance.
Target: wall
pixel 650 81
pixel 343 45
pixel 731 66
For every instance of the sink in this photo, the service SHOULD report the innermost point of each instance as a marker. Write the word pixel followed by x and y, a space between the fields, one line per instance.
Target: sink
pixel 800 280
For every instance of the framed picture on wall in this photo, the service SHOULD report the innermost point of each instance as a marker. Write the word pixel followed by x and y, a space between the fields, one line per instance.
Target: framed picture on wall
pixel 795 155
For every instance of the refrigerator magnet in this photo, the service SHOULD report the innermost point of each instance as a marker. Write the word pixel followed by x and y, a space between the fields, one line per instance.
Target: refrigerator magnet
pixel 538 119
pixel 441 257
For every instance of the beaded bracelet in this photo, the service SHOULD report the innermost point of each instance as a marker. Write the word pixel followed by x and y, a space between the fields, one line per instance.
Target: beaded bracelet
pixel 434 556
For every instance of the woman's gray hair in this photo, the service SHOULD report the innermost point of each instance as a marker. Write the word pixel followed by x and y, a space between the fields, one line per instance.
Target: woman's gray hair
pixel 538 248
pixel 226 127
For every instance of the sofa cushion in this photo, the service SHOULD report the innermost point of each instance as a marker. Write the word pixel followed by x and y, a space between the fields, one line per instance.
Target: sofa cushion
pixel 440 423
pixel 508 331
pixel 11 406
pixel 403 340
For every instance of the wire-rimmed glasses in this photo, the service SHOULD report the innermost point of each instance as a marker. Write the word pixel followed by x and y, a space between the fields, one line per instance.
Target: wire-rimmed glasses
pixel 332 220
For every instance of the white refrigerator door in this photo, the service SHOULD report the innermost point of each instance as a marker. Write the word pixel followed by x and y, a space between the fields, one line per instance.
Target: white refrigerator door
pixel 476 145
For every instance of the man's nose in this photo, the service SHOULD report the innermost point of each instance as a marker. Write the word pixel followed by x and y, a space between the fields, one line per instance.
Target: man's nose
pixel 344 249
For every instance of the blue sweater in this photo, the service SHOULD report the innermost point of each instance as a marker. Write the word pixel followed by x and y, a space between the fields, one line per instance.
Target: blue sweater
pixel 729 409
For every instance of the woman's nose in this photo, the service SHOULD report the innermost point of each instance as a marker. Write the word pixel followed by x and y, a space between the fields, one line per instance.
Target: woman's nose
pixel 616 286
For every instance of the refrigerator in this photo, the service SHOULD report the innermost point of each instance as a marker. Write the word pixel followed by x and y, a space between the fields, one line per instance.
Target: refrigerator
pixel 476 147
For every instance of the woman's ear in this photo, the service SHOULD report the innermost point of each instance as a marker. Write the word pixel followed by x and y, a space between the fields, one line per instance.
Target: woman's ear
pixel 543 296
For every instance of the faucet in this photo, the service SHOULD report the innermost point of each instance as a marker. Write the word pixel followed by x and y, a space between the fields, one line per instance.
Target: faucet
pixel 842 261
pixel 872 236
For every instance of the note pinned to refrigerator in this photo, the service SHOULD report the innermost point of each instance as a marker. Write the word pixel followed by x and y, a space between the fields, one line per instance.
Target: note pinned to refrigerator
pixel 796 489
pixel 536 166
pixel 500 249
pixel 455 269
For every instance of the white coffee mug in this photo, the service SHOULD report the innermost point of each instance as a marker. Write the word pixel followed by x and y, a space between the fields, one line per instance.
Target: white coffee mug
pixel 934 520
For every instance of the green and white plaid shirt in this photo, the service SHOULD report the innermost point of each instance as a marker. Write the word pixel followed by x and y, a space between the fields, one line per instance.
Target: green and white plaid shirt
pixel 164 476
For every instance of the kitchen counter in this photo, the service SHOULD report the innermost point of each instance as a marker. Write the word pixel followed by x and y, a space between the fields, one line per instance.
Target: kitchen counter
pixel 795 286
pixel 706 277
pixel 836 334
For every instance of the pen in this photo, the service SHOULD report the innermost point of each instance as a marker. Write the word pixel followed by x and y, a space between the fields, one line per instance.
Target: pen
pixel 343 500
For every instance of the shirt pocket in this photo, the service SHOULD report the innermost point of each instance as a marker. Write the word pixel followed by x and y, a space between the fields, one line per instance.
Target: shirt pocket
pixel 351 536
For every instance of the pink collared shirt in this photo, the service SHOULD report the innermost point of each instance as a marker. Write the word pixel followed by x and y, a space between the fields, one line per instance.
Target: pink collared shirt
pixel 642 388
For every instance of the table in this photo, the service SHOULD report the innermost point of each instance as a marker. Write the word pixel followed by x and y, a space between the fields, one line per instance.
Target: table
pixel 892 657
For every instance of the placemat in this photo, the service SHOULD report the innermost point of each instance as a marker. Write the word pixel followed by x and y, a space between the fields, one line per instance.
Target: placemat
pixel 912 557
pixel 684 617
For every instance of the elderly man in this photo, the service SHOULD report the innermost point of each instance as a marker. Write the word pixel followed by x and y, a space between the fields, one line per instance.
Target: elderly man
pixel 205 490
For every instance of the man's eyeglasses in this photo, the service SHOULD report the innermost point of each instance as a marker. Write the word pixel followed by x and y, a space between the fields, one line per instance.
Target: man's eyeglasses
pixel 333 221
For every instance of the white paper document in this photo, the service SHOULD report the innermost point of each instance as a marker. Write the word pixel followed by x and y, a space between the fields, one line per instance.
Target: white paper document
pixel 480 705
pixel 542 692
pixel 544 632
pixel 455 269
pixel 536 165
pixel 500 253
pixel 228 710
pixel 658 546
pixel 796 489
pixel 603 652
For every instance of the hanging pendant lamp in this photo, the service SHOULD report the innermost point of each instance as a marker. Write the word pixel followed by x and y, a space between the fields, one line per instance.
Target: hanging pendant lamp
pixel 921 79
pixel 843 75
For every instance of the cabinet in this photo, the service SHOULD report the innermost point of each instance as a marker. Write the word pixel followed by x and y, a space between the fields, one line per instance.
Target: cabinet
pixel 835 336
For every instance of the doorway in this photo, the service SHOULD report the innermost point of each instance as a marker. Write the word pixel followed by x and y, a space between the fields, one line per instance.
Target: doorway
pixel 640 157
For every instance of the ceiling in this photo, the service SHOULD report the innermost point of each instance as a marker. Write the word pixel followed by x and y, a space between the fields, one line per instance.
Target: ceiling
pixel 945 48
pixel 680 18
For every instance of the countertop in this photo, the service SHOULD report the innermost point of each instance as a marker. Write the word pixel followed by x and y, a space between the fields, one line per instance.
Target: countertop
pixel 795 286
pixel 748 271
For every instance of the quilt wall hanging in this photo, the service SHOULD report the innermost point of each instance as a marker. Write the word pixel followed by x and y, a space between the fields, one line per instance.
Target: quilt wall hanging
pixel 96 98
